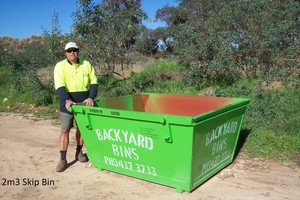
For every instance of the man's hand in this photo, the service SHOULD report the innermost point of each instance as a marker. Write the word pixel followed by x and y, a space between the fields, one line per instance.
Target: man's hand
pixel 69 103
pixel 89 102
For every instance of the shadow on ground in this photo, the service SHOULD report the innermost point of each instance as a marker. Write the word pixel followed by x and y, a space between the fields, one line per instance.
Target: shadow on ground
pixel 241 141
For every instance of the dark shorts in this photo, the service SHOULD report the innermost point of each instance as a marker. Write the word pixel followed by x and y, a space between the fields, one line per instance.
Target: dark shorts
pixel 66 121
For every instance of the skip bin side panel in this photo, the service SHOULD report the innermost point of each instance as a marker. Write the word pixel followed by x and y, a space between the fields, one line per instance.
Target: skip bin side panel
pixel 215 143
pixel 138 148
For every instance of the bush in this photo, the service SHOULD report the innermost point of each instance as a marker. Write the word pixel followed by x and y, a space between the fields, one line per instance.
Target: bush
pixel 110 86
pixel 272 117
pixel 23 74
pixel 161 72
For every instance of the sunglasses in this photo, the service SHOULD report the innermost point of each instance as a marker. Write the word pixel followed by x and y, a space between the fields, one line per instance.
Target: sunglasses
pixel 72 50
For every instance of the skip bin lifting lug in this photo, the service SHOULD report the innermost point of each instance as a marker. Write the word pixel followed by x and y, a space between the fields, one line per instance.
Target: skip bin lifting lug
pixel 167 133
pixel 89 123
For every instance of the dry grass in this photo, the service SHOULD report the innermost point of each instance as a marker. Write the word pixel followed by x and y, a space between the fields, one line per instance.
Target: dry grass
pixel 141 62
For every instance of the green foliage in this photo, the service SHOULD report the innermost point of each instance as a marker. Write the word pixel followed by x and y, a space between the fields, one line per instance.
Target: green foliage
pixel 147 44
pixel 203 76
pixel 274 109
pixel 273 117
pixel 161 77
pixel 109 86
pixel 215 39
pixel 23 100
pixel 5 87
pixel 55 41
pixel 109 30
pixel 155 74
pixel 23 68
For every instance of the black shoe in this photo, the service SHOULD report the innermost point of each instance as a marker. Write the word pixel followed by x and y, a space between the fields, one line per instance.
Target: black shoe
pixel 81 157
pixel 62 166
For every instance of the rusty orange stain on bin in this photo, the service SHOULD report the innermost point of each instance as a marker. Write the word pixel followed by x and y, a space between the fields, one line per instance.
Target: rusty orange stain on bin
pixel 183 105
pixel 167 104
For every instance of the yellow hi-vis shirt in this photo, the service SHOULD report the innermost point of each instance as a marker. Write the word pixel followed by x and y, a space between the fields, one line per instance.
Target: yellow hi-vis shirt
pixel 75 78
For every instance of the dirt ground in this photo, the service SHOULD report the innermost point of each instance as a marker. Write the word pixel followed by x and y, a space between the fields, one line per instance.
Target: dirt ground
pixel 29 155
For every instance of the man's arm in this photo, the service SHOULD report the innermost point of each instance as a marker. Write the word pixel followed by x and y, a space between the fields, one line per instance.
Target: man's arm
pixel 93 91
pixel 62 93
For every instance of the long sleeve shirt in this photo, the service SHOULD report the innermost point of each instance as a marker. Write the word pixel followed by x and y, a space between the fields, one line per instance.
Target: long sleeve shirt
pixel 74 82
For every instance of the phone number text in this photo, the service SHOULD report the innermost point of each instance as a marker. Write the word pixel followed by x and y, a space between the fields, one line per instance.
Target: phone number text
pixel 139 168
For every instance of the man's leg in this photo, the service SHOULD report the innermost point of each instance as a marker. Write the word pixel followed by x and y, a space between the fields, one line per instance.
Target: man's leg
pixel 63 146
pixel 64 143
pixel 79 155
pixel 66 125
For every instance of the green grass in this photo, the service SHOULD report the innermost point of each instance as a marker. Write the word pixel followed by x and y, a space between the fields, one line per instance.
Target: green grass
pixel 272 118
pixel 274 145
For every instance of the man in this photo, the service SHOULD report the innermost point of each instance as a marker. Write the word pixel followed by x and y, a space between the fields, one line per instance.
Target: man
pixel 75 81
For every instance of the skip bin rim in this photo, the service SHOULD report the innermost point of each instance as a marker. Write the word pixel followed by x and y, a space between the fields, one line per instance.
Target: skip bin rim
pixel 160 117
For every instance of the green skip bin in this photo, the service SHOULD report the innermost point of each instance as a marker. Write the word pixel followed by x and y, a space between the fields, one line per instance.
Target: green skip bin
pixel 174 140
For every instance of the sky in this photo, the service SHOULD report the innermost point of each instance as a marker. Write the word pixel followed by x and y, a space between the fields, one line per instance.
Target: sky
pixel 25 18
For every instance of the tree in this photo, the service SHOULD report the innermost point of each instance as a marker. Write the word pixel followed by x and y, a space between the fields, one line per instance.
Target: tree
pixel 109 30
pixel 161 34
pixel 224 40
pixel 54 40
pixel 147 43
